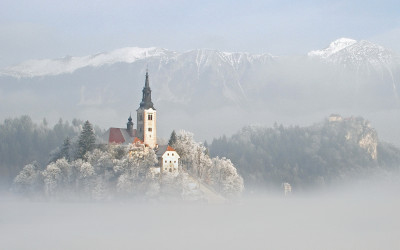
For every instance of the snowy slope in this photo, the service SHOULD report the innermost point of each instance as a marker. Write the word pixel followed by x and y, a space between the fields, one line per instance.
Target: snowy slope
pixel 346 52
pixel 32 68
pixel 202 58
pixel 358 55
pixel 333 48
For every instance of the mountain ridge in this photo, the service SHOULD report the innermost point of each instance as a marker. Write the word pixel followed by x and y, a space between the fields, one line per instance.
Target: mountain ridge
pixel 69 64
pixel 342 51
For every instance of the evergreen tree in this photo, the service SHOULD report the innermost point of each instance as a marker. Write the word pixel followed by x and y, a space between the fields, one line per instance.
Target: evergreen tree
pixel 65 149
pixel 172 139
pixel 86 140
pixel 206 151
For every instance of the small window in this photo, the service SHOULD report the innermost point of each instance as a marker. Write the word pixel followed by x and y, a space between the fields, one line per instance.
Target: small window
pixel 168 154
pixel 150 117
pixel 170 161
pixel 140 129
pixel 165 161
pixel 174 161
pixel 172 154
pixel 165 168
pixel 150 129
pixel 170 170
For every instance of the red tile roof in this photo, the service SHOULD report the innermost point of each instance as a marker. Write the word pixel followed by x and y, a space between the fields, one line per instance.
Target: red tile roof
pixel 169 148
pixel 137 140
pixel 116 136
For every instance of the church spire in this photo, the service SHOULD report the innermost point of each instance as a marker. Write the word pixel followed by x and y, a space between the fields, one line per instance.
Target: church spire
pixel 146 99
pixel 147 84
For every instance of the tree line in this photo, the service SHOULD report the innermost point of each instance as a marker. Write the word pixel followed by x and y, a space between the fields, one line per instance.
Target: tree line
pixel 22 141
pixel 317 155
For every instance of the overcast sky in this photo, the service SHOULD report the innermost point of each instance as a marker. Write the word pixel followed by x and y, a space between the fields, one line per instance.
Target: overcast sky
pixel 34 29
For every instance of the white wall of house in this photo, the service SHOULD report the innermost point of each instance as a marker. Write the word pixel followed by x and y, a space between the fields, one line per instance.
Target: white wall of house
pixel 170 161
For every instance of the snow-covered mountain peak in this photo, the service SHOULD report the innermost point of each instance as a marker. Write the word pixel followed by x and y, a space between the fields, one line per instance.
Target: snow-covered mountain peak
pixel 68 64
pixel 361 55
pixel 333 47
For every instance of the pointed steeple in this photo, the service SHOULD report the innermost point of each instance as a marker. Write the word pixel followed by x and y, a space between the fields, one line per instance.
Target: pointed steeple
pixel 129 125
pixel 146 99
pixel 147 84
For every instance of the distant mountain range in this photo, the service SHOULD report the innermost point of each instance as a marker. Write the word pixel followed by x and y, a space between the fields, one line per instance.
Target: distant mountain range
pixel 358 55
pixel 207 91
pixel 345 52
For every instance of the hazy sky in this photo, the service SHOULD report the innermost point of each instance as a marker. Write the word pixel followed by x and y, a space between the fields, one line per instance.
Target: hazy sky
pixel 48 29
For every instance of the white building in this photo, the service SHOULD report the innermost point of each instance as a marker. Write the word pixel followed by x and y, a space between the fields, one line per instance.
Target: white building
pixel 168 159
pixel 287 188
pixel 335 118
pixel 146 118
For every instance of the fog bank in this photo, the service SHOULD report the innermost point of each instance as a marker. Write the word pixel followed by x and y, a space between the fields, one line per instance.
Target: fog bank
pixel 362 217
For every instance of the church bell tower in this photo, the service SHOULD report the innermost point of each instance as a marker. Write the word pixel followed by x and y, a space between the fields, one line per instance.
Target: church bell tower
pixel 146 117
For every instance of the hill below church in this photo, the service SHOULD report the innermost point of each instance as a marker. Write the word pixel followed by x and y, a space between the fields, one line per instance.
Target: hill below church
pixel 335 150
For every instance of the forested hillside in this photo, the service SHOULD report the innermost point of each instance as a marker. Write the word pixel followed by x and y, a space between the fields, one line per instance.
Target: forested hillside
pixel 104 172
pixel 317 155
pixel 22 142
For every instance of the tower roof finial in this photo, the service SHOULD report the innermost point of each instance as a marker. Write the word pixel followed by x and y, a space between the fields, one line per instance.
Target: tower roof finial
pixel 146 99
pixel 147 84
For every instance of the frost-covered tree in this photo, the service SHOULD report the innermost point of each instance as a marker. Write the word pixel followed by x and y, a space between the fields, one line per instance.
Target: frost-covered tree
pixel 135 170
pixel 225 177
pixel 52 177
pixel 86 140
pixel 102 162
pixel 186 148
pixel 68 172
pixel 87 177
pixel 219 173
pixel 29 180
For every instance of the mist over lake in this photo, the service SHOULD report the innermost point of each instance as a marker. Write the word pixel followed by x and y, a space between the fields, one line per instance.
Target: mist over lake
pixel 348 217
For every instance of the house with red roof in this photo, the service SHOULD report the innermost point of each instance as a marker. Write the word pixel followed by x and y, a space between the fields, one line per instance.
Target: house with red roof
pixel 168 159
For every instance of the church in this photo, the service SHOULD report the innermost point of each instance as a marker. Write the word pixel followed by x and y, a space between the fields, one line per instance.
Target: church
pixel 145 133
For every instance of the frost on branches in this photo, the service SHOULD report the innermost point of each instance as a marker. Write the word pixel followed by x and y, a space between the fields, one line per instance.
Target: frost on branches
pixel 28 180
pixel 132 171
pixel 218 173
pixel 115 171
